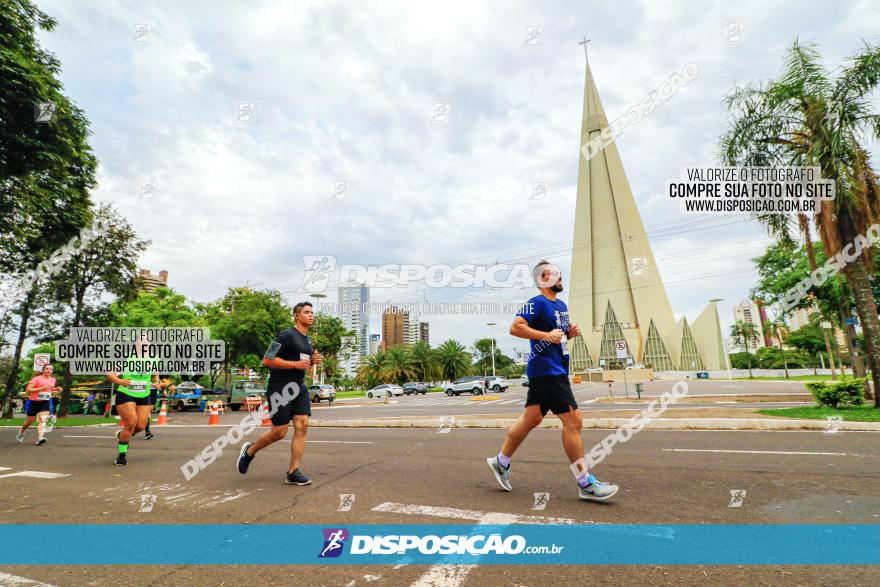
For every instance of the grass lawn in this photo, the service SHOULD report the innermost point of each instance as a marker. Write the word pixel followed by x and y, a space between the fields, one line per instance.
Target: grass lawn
pixel 861 414
pixel 62 422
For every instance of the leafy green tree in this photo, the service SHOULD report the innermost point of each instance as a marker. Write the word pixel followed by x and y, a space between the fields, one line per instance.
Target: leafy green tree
pixel 46 164
pixel 806 118
pixel 106 265
pixel 162 307
pixel 779 331
pixel 369 372
pixel 483 356
pixel 425 361
pixel 248 321
pixel 453 359
pixel 744 331
pixel 398 366
pixel 330 337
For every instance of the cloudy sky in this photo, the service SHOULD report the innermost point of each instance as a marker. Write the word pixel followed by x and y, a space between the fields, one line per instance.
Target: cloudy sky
pixel 344 91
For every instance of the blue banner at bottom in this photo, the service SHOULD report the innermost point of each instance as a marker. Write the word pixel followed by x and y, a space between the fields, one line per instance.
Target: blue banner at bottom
pixel 374 544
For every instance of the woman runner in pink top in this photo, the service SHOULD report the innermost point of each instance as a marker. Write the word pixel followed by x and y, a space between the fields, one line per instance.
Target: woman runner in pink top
pixel 39 390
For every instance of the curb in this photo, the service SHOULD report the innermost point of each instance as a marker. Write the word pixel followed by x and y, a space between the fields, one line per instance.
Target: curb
pixel 607 423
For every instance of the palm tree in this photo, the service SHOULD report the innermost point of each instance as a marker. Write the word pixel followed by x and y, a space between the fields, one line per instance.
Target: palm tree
pixel 369 372
pixel 807 118
pixel 398 365
pixel 424 361
pixel 779 331
pixel 744 330
pixel 453 360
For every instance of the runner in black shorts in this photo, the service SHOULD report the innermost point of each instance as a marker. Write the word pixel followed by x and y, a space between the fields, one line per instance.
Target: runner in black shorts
pixel 544 320
pixel 288 357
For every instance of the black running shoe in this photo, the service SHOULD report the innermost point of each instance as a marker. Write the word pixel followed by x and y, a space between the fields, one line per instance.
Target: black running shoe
pixel 244 459
pixel 121 460
pixel 148 435
pixel 41 442
pixel 297 478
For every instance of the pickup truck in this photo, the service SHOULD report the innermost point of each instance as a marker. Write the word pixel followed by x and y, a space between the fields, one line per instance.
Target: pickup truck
pixel 242 389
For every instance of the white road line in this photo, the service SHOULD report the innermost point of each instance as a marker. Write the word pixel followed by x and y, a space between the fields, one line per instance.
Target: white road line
pixel 14 581
pixel 5 468
pixel 494 517
pixel 454 575
pixel 36 475
pixel 84 436
pixel 772 452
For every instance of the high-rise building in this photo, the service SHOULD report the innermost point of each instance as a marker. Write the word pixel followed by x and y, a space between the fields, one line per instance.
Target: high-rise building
pixel 751 312
pixel 375 343
pixel 617 295
pixel 424 332
pixel 393 327
pixel 150 282
pixel 354 301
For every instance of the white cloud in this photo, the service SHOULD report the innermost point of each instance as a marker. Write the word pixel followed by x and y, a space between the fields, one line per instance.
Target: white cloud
pixel 342 92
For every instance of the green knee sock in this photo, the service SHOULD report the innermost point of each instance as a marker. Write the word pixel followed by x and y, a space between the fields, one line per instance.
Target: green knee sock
pixel 123 448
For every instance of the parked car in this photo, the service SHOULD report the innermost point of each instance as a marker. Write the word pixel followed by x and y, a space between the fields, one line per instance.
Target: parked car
pixel 524 381
pixel 496 384
pixel 323 391
pixel 415 388
pixel 472 383
pixel 385 389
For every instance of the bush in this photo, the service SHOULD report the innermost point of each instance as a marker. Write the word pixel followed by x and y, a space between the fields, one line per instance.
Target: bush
pixel 847 392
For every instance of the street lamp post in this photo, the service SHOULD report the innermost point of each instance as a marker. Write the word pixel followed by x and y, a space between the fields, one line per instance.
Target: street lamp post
pixel 492 340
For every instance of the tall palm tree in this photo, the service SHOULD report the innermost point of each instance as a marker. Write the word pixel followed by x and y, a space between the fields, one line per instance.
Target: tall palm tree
pixel 369 372
pixel 806 118
pixel 453 360
pixel 744 330
pixel 779 331
pixel 424 361
pixel 398 365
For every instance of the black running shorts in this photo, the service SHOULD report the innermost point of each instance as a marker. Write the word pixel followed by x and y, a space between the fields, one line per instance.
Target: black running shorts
pixel 299 406
pixel 124 398
pixel 36 406
pixel 552 394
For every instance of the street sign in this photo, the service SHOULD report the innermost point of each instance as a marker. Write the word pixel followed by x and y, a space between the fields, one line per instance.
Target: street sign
pixel 850 321
pixel 620 349
pixel 41 360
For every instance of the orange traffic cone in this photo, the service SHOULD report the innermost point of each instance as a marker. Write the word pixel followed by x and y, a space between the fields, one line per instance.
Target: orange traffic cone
pixel 265 409
pixel 163 413
pixel 215 415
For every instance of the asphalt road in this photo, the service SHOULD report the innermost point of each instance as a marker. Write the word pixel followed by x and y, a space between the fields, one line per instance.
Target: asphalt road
pixel 421 476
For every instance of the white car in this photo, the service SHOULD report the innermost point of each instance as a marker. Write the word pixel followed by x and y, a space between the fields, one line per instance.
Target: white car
pixel 475 384
pixel 496 384
pixel 384 390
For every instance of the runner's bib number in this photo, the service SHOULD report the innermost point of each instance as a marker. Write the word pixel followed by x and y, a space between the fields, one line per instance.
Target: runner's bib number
pixel 137 386
pixel 44 395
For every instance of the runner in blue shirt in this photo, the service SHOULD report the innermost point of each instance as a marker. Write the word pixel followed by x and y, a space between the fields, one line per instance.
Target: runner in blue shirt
pixel 544 321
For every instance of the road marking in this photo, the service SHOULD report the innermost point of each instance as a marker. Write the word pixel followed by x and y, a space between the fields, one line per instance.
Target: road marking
pixel 5 468
pixel 454 575
pixel 772 452
pixel 15 581
pixel 84 436
pixel 494 517
pixel 36 475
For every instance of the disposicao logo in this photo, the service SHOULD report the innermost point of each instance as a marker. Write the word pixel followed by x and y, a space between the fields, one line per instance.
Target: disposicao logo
pixel 334 541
